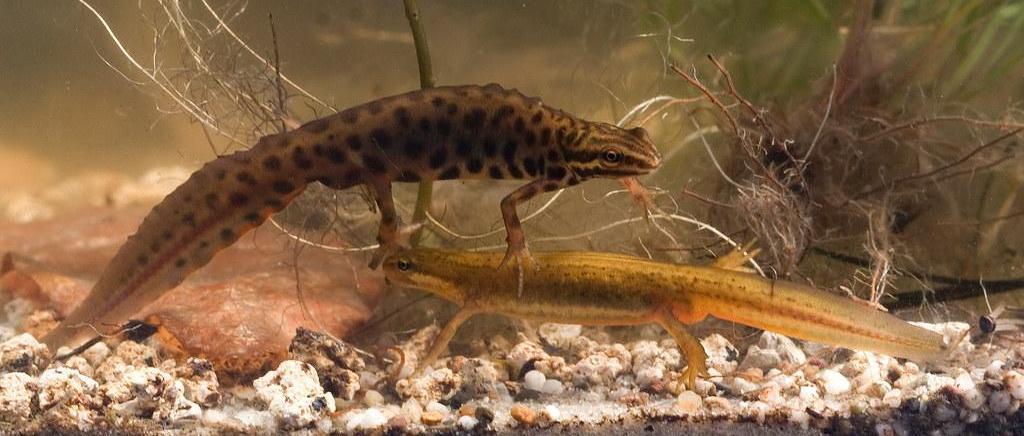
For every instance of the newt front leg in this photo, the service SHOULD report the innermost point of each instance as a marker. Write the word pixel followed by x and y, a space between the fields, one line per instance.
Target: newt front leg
pixel 387 235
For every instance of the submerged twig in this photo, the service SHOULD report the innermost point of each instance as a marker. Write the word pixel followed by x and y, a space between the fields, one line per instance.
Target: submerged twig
pixel 425 192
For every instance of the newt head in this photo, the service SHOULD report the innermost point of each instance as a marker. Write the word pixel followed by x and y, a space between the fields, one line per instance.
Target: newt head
pixel 421 269
pixel 608 151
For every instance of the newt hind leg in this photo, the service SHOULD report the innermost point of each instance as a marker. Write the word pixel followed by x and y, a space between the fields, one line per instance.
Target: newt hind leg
pixel 696 357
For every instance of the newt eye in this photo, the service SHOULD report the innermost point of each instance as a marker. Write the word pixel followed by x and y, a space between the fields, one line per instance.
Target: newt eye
pixel 404 264
pixel 612 156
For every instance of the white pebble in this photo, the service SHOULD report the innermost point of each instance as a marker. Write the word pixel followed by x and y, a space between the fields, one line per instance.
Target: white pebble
pixel 551 414
pixel 1014 382
pixel 994 368
pixel 689 402
pixel 552 387
pixel 833 382
pixel 808 393
pixel 999 401
pixel 434 406
pixel 467 422
pixel 368 419
pixel 534 380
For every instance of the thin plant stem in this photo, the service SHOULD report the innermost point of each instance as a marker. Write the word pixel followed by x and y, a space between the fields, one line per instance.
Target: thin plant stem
pixel 426 189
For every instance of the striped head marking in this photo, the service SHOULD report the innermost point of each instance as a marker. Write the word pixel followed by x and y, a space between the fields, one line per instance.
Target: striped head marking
pixel 608 151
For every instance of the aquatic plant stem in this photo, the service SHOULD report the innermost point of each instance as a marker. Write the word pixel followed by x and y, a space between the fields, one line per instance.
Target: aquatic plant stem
pixel 426 190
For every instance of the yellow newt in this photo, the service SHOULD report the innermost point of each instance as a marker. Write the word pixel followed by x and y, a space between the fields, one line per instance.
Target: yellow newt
pixel 610 289
pixel 444 133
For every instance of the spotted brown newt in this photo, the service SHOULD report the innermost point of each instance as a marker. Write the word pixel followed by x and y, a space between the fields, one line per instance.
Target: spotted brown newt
pixel 610 289
pixel 459 132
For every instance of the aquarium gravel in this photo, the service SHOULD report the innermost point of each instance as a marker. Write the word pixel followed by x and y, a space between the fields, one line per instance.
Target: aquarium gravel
pixel 568 381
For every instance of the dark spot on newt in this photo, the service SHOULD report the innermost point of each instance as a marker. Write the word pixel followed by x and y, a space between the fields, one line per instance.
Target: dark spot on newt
pixel 252 217
pixel 403 117
pixel 272 163
pixel 495 172
pixel 354 143
pixel 381 138
pixel 509 153
pixel 530 138
pixel 350 116
pixel 238 199
pixel 444 127
pixel 474 165
pixel 520 125
pixel 283 187
pixel 227 234
pixel 414 148
pixel 374 164
pixel 503 112
pixel 336 154
pixel 438 158
pixel 530 166
pixel 556 173
pixel 463 147
pixel 302 161
pixel 180 262
pixel 452 109
pixel 537 117
pixel 212 200
pixel 474 119
pixel 246 178
pixel 438 102
pixel 490 147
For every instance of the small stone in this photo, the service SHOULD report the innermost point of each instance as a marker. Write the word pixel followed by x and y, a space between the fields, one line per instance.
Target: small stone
pixel 722 355
pixel 559 335
pixel 434 406
pixel 523 415
pixel 467 410
pixel 397 423
pixel 534 380
pixel 833 382
pixel 373 398
pixel 758 357
pixel 23 353
pixel 739 386
pixel 1000 401
pixel 549 414
pixel 484 415
pixel 17 390
pixel 689 402
pixel 1014 382
pixel 552 387
pixel 368 419
pixel 440 384
pixel 808 393
pixel 64 385
pixel 293 393
pixel 467 422
pixel 337 363
pixel 431 418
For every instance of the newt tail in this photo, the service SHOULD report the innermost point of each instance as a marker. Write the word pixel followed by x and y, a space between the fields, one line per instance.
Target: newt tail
pixel 610 289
